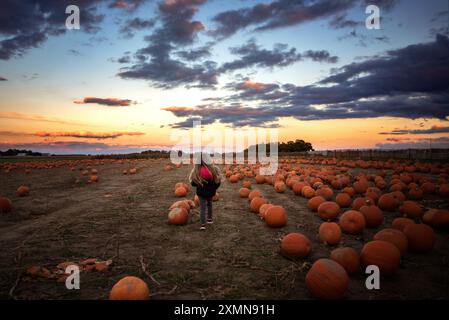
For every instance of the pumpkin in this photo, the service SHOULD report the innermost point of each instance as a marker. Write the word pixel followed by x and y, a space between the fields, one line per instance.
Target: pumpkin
pixel 280 187
pixel 246 184
pixel 330 233
pixel 23 191
pixel 411 209
pixel 94 178
pixel 276 217
pixel 343 199
pixel 5 205
pixel 382 254
pixel 399 196
pixel 328 210
pixel 260 179
pixel 428 187
pixel 352 222
pixel 256 203
pixel 443 190
pixel 349 190
pixel 387 202
pixel 263 209
pixel 178 216
pixel 244 192
pixel 253 194
pixel 130 288
pixel 401 223
pixel 180 192
pixel 234 178
pixel 373 215
pixel 297 187
pixel 327 280
pixel 415 193
pixel 181 204
pixel 395 237
pixel 315 202
pixel 308 192
pixel 325 192
pixel 438 218
pixel 421 237
pixel 348 258
pixel 360 186
pixel 360 202
pixel 295 245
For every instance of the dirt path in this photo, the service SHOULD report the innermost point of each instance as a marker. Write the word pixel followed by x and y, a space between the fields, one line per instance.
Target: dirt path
pixel 123 218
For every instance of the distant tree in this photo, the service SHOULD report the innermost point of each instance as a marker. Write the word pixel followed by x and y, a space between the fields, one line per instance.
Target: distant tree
pixel 289 146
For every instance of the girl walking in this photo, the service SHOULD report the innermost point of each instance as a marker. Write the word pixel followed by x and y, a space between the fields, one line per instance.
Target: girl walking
pixel 206 178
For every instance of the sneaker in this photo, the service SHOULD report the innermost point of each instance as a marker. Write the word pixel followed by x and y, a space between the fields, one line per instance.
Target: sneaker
pixel 210 221
pixel 203 227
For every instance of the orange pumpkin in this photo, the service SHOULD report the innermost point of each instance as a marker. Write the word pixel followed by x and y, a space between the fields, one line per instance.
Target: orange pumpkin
pixel 244 192
pixel 360 202
pixel 350 191
pixel 411 209
pixel 343 199
pixel 330 233
pixel 23 191
pixel 395 237
pixel 253 194
pixel 297 187
pixel 348 258
pixel 280 187
pixel 387 202
pixel 325 192
pixel 234 178
pixel 401 223
pixel 276 217
pixel 315 202
pixel 438 218
pixel 256 203
pixel 246 184
pixel 328 210
pixel 308 192
pixel 181 204
pixel 5 205
pixel 295 245
pixel 352 222
pixel 263 209
pixel 130 288
pixel 415 193
pixel 180 192
pixel 327 280
pixel 443 190
pixel 360 186
pixel 421 237
pixel 373 215
pixel 382 254
pixel 260 179
pixel 178 216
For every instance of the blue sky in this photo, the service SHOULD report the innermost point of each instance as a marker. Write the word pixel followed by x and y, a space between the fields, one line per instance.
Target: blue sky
pixel 43 79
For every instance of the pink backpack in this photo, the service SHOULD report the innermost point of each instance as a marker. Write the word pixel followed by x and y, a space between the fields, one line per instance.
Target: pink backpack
pixel 205 173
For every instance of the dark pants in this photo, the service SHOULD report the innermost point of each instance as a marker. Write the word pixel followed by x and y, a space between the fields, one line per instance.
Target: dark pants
pixel 203 203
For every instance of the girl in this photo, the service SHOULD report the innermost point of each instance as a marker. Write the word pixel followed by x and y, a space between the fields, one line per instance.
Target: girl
pixel 206 178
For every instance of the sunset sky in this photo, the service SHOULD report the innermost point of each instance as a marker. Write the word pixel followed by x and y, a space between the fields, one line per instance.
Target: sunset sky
pixel 137 70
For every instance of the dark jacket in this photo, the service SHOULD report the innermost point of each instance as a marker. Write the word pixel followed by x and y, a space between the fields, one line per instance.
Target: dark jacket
pixel 207 190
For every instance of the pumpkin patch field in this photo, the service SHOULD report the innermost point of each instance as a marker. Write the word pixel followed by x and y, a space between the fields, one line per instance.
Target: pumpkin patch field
pixel 132 228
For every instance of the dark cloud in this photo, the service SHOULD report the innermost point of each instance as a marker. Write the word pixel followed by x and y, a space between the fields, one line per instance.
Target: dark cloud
pixel 433 130
pixel 251 55
pixel 87 135
pixel 27 24
pixel 131 25
pixel 277 14
pixel 124 59
pixel 3 79
pixel 110 102
pixel 130 5
pixel 341 22
pixel 196 53
pixel 74 52
pixel 424 143
pixel 155 62
pixel 411 82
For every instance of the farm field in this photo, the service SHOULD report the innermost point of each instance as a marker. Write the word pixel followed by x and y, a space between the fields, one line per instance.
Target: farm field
pixel 121 221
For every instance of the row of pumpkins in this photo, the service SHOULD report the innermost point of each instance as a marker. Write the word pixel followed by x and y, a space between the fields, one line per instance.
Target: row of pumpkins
pixel 329 278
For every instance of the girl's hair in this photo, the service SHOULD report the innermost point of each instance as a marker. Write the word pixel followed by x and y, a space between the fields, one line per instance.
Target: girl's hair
pixel 203 159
